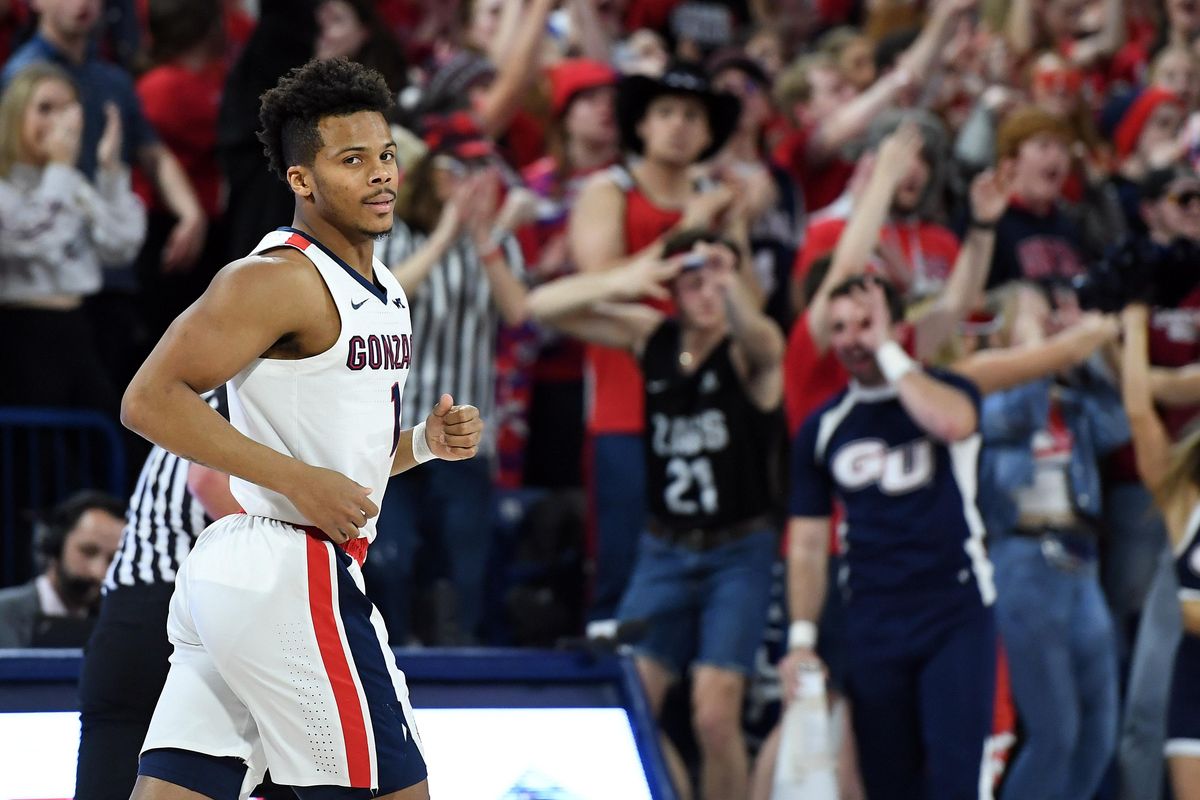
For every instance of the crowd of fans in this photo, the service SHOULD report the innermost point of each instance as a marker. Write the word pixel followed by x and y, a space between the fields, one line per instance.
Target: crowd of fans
pixel 1017 172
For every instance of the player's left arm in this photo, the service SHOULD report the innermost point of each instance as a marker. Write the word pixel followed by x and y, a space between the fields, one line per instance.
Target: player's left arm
pixel 758 344
pixel 450 432
pixel 945 411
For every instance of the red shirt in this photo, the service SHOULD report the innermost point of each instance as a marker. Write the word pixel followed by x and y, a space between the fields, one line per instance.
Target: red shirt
pixel 182 106
pixel 929 249
pixel 809 377
pixel 822 183
pixel 616 404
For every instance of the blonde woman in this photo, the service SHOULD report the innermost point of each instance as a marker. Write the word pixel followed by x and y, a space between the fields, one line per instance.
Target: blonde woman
pixel 1173 474
pixel 57 231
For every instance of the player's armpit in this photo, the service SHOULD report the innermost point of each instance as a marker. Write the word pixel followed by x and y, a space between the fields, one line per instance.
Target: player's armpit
pixel 250 306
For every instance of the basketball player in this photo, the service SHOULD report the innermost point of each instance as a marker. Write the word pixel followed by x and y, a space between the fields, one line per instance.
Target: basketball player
pixel 899 448
pixel 280 661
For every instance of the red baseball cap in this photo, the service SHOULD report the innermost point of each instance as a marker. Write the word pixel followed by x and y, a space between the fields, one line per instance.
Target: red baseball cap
pixel 457 135
pixel 574 75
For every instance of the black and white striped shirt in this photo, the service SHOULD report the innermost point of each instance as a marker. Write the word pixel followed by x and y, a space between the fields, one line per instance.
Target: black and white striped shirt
pixel 454 323
pixel 163 519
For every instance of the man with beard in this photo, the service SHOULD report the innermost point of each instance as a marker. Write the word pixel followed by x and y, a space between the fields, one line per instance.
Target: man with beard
pixel 77 540
pixel 898 447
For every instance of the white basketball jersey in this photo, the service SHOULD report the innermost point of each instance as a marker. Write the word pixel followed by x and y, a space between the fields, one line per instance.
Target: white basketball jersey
pixel 339 409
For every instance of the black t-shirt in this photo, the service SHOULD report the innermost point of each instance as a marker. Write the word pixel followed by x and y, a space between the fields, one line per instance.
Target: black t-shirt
pixel 709 449
pixel 1036 247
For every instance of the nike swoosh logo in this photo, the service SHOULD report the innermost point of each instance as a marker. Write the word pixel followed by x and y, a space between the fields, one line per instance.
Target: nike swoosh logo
pixel 358 305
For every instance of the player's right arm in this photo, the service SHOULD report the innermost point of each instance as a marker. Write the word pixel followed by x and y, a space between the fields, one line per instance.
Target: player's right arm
pixel 807 565
pixel 251 306
pixel 810 504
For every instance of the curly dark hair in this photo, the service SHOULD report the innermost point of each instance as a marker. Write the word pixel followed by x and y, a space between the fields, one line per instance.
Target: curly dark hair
pixel 291 111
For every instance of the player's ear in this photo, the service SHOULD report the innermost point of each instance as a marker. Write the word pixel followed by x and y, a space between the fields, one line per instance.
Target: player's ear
pixel 300 181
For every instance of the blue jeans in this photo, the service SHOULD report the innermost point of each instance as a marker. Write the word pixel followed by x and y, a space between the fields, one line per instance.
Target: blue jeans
pixel 617 498
pixel 1143 731
pixel 703 607
pixel 1062 661
pixel 446 504
pixel 1138 539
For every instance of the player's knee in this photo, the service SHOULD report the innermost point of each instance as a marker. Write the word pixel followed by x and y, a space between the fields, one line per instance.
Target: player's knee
pixel 716 712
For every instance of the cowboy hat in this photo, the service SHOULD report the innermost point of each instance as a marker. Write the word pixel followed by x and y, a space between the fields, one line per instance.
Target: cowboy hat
pixel 635 93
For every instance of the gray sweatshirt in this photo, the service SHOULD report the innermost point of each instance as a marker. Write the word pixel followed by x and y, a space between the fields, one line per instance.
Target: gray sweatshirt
pixel 57 230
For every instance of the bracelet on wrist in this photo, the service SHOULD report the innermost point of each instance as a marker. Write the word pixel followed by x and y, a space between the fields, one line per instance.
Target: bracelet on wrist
pixel 802 634
pixel 980 225
pixel 420 445
pixel 893 362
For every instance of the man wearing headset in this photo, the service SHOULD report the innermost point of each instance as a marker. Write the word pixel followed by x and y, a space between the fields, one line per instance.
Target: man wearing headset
pixel 76 543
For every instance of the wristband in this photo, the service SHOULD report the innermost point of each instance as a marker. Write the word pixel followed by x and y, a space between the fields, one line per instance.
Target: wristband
pixel 893 362
pixel 420 446
pixel 980 225
pixel 802 634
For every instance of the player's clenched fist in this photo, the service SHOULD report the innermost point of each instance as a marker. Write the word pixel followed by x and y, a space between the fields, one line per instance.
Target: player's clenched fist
pixel 453 432
pixel 333 503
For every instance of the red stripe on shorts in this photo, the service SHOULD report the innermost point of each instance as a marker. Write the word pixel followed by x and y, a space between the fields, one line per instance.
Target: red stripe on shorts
pixel 337 668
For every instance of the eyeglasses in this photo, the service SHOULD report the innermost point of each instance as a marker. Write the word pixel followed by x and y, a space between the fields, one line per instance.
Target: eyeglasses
pixel 1185 197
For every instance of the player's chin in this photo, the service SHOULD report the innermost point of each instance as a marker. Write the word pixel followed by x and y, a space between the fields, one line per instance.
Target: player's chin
pixel 376 228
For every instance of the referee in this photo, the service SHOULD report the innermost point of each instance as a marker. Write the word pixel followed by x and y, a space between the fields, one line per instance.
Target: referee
pixel 126 660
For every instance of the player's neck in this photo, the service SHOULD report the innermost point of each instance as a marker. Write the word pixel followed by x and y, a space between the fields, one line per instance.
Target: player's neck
pixel 356 249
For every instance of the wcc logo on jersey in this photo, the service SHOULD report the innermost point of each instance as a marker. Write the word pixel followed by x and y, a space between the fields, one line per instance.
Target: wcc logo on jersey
pixel 388 351
pixel 895 470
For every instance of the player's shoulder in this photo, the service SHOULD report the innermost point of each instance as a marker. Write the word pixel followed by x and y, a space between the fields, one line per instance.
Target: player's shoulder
pixel 818 416
pixel 274 274
pixel 281 263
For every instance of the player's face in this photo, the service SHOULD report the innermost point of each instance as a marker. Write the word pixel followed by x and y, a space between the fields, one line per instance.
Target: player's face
pixel 355 173
pixel 675 130
pixel 849 321
pixel 87 552
pixel 70 18
pixel 700 292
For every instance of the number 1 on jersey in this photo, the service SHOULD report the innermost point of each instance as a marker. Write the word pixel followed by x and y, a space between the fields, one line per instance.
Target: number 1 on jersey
pixel 395 416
